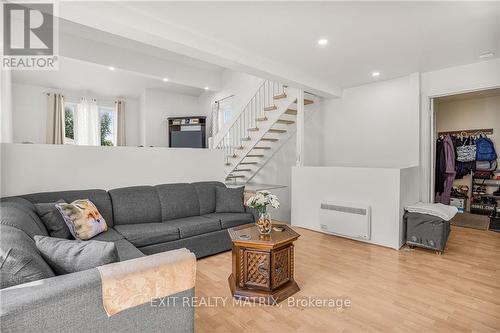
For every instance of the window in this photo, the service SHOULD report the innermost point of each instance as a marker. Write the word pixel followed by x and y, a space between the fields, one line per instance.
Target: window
pixel 225 111
pixel 107 124
pixel 69 123
pixel 89 124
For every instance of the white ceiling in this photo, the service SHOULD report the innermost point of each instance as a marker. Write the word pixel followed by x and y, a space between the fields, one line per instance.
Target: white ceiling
pixel 82 31
pixel 394 38
pixel 76 75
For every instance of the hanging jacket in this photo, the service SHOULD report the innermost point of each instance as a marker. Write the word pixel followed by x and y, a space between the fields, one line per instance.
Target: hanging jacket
pixel 449 152
pixel 440 167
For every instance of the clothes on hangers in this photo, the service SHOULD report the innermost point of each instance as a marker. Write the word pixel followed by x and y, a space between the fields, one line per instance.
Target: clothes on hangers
pixel 447 169
pixel 465 147
pixel 440 167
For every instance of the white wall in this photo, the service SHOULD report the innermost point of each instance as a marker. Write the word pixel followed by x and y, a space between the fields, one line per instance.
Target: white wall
pixel 29 105
pixel 6 105
pixel 385 190
pixel 27 168
pixel 374 125
pixel 278 170
pixel 449 81
pixel 242 86
pixel 159 105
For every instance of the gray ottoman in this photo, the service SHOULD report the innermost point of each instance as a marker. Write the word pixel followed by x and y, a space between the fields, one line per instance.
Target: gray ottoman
pixel 426 231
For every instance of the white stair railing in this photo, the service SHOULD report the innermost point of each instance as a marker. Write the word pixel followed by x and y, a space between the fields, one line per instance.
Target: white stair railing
pixel 246 122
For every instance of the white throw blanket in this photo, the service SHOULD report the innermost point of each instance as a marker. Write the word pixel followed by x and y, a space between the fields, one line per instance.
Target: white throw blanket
pixel 436 209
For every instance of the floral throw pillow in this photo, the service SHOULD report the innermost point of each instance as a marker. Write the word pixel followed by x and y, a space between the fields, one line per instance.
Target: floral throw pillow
pixel 82 218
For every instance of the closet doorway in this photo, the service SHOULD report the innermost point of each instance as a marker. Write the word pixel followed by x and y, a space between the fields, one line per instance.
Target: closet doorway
pixel 466 173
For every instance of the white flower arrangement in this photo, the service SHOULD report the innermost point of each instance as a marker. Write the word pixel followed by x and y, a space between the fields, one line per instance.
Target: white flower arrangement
pixel 261 200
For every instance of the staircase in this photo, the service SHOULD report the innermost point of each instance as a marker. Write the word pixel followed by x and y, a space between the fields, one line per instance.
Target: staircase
pixel 259 131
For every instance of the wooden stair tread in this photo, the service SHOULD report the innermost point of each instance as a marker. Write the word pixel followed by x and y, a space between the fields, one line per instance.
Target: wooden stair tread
pixel 270 108
pixel 306 101
pixel 273 130
pixel 246 139
pixel 242 170
pixel 232 156
pixel 291 111
pixel 280 96
pixel 269 139
pixel 255 155
pixel 261 147
pixel 235 176
pixel 261 119
pixel 253 129
pixel 284 121
pixel 245 163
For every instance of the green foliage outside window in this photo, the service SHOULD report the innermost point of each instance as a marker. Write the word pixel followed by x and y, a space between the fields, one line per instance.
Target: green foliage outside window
pixel 105 129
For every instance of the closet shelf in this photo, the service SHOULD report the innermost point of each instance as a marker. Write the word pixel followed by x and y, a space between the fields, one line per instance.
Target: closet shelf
pixel 487 182
pixel 489 196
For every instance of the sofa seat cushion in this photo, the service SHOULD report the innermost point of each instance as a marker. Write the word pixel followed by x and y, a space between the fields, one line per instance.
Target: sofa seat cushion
pixel 229 220
pixel 127 250
pixel 111 235
pixel 144 234
pixel 195 225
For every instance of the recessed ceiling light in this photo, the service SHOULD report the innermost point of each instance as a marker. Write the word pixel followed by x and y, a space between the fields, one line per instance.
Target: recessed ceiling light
pixel 111 68
pixel 165 79
pixel 206 88
pixel 375 74
pixel 322 41
pixel 486 55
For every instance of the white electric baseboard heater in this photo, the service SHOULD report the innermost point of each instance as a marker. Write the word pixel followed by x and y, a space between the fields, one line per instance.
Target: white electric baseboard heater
pixel 346 219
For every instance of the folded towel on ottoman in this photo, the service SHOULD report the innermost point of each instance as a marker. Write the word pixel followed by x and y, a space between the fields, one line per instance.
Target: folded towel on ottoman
pixel 436 209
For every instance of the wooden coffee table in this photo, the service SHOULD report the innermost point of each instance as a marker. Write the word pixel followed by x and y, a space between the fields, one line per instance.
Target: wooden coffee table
pixel 262 264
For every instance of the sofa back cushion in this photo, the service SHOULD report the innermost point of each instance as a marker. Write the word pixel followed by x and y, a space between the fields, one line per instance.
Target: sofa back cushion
pixel 69 256
pixel 206 195
pixel 177 201
pixel 229 200
pixel 136 204
pixel 20 216
pixel 99 198
pixel 53 219
pixel 20 261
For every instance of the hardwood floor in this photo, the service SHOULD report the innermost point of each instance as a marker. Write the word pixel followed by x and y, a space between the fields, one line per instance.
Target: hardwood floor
pixel 402 291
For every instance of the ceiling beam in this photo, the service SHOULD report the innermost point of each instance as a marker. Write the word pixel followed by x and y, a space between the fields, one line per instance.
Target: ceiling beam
pixel 123 20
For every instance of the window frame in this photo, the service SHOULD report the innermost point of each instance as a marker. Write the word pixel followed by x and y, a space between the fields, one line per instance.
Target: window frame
pixel 101 108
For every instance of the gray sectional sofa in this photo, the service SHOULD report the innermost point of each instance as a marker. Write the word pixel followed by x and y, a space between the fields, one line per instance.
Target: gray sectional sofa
pixel 141 220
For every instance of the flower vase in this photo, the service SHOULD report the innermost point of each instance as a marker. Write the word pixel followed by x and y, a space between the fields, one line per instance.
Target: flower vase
pixel 264 224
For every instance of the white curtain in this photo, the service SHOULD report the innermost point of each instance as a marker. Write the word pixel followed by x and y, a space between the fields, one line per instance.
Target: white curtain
pixel 119 127
pixel 87 123
pixel 55 119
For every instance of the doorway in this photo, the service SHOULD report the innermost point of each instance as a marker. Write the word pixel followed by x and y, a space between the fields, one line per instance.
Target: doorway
pixel 475 191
